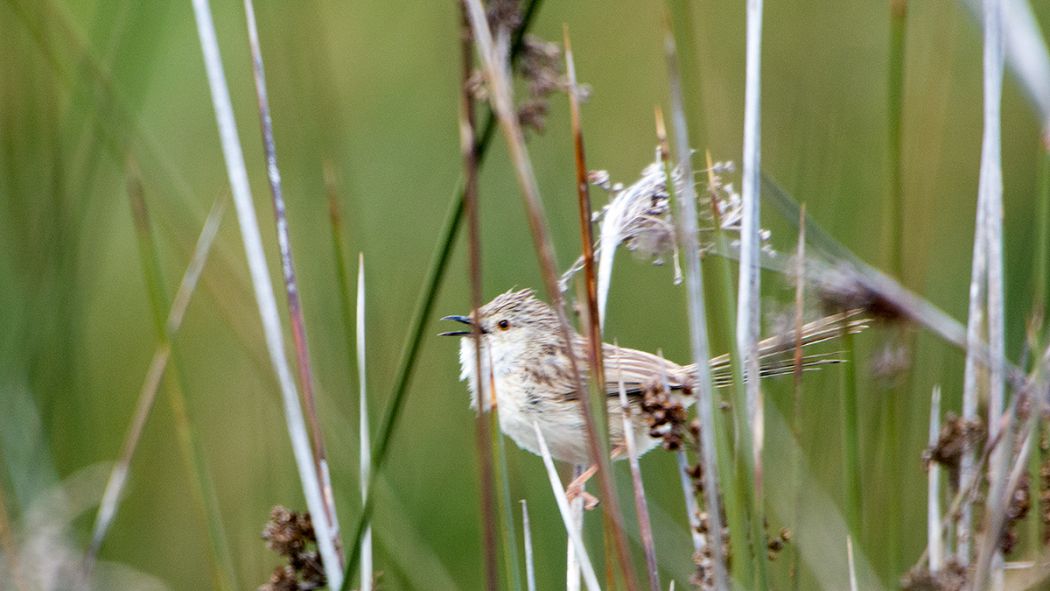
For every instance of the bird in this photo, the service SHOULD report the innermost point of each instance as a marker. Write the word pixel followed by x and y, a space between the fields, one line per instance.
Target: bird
pixel 527 374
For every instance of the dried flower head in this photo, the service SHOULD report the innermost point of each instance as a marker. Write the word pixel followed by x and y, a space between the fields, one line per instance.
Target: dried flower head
pixel 843 287
pixel 542 71
pixel 957 435
pixel 539 67
pixel 666 416
pixel 1016 511
pixel 703 578
pixel 638 217
pixel 291 534
pixel 952 577
pixel 775 544
pixel 503 15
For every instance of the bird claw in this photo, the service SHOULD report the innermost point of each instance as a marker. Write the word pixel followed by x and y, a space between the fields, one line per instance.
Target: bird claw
pixel 574 491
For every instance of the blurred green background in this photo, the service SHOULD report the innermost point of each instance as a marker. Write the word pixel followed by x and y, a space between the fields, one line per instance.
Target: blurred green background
pixel 372 88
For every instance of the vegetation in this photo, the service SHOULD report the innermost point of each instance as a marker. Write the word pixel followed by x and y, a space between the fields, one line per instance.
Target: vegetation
pixel 171 376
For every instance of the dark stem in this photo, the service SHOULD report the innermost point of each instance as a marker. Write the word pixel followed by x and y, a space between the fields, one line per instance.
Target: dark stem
pixel 470 198
pixel 424 307
pixel 594 332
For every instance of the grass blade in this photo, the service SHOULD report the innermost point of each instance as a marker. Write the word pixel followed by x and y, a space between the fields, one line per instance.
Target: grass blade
pixel 530 568
pixel 852 566
pixel 895 218
pixel 566 514
pixel 987 269
pixel 748 311
pixel 264 295
pixel 686 227
pixel 500 97
pixel 933 503
pixel 365 455
pixel 1025 50
pixel 148 392
pixel 425 303
pixel 295 309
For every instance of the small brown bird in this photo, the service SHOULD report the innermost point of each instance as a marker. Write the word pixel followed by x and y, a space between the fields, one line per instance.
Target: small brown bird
pixel 526 366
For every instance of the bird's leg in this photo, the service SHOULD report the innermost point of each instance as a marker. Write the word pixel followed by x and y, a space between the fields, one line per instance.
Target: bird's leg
pixel 575 488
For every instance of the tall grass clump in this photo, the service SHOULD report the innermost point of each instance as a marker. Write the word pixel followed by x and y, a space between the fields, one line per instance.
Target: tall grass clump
pixel 827 178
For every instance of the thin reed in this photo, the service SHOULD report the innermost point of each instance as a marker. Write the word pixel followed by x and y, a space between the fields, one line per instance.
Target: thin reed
pixel 686 231
pixel 867 114
pixel 263 288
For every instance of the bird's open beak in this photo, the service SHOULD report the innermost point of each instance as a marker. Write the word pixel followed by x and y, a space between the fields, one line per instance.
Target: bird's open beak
pixel 458 333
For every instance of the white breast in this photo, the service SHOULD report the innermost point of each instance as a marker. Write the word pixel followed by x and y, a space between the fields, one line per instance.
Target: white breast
pixel 520 407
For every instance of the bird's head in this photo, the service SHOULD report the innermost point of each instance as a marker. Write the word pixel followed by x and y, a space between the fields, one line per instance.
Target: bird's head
pixel 511 320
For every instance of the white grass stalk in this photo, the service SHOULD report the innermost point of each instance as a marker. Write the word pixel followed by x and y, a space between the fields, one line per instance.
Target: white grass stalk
pixel 692 508
pixel 991 188
pixel 991 185
pixel 365 456
pixel 971 376
pixel 264 295
pixel 687 236
pixel 1025 51
pixel 530 568
pixel 988 266
pixel 608 241
pixel 852 565
pixel 589 577
pixel 933 500
pixel 645 528
pixel 747 310
pixel 107 510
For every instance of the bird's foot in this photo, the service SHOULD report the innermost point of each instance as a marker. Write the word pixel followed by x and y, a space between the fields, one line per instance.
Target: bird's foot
pixel 575 491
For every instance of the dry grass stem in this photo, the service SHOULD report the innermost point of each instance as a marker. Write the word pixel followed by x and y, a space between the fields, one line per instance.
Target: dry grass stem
pixel 641 506
pixel 499 88
pixel 148 392
pixel 263 288
pixel 467 124
pixel 1035 384
pixel 467 146
pixel 595 314
pixel 295 309
pixel 428 296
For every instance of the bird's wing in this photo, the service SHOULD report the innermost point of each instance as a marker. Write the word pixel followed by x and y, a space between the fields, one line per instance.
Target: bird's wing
pixel 639 370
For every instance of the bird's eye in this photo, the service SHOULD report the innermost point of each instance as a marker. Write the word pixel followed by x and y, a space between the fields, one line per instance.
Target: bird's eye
pixel 504 324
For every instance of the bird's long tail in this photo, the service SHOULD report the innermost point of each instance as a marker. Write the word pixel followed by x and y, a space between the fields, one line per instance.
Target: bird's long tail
pixel 771 351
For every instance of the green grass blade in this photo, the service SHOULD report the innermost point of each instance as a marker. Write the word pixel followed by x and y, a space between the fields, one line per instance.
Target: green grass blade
pixel 425 304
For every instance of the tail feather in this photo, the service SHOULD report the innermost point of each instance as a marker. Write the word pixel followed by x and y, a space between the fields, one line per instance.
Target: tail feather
pixel 771 350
